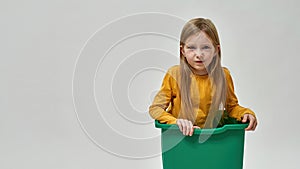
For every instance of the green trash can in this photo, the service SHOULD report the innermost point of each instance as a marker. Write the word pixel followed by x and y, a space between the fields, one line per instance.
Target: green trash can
pixel 219 148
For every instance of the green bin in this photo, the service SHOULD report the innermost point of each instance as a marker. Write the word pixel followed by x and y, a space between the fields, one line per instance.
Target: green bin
pixel 219 148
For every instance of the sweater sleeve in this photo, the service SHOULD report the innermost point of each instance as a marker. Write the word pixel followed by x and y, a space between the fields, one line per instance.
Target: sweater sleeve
pixel 232 106
pixel 162 101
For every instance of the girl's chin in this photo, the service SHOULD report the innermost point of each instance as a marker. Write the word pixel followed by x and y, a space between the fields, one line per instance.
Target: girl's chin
pixel 200 67
pixel 200 71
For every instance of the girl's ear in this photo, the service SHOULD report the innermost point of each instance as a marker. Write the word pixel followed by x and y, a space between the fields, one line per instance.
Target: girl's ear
pixel 217 49
pixel 181 49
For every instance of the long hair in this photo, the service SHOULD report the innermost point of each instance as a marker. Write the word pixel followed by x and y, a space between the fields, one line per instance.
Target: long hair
pixel 214 69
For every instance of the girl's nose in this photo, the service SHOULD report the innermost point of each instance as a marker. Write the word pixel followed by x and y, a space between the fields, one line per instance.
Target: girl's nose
pixel 198 52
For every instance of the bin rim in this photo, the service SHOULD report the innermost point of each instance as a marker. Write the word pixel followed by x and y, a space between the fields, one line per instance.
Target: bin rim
pixel 218 130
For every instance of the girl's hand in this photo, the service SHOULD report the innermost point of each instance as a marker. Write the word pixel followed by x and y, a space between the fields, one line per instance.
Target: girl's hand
pixel 186 126
pixel 252 121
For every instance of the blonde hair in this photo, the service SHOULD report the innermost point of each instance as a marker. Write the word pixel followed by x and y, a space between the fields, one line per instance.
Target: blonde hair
pixel 214 69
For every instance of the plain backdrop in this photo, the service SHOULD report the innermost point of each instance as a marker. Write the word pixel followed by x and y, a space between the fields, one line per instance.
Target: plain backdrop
pixel 43 41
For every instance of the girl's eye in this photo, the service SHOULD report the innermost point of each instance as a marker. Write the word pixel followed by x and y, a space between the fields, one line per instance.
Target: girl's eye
pixel 205 47
pixel 191 47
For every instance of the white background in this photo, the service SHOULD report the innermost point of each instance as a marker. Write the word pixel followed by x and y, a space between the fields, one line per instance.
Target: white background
pixel 41 41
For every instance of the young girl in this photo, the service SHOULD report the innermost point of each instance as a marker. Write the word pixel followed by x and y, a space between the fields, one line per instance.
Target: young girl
pixel 196 93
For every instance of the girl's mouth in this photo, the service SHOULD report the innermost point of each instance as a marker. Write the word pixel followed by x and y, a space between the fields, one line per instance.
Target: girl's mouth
pixel 199 61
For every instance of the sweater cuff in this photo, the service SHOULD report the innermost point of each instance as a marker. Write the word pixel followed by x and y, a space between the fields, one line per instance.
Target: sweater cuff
pixel 172 121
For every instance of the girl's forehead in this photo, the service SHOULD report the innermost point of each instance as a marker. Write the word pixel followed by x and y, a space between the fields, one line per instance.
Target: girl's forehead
pixel 200 37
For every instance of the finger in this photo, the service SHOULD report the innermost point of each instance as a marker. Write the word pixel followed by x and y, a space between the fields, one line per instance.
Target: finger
pixel 178 121
pixel 250 126
pixel 183 127
pixel 255 124
pixel 191 129
pixel 188 128
pixel 245 118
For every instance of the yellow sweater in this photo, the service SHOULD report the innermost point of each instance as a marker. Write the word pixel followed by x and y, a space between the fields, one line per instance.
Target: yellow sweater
pixel 166 105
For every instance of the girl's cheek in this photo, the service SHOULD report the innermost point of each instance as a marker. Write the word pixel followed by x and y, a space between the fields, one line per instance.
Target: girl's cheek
pixel 189 52
pixel 208 54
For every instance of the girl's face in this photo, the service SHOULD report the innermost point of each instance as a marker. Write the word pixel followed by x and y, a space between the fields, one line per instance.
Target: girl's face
pixel 199 52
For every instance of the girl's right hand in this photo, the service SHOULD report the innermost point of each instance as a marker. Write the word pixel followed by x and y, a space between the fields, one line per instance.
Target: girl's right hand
pixel 186 126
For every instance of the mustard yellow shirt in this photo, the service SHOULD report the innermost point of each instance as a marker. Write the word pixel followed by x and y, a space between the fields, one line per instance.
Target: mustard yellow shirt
pixel 166 104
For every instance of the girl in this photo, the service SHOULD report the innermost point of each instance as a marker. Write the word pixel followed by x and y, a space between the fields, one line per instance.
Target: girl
pixel 198 92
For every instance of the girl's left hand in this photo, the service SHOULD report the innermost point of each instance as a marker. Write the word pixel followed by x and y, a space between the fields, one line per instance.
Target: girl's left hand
pixel 252 121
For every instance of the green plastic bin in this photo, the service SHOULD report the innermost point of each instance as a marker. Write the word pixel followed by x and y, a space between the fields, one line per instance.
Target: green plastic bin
pixel 219 148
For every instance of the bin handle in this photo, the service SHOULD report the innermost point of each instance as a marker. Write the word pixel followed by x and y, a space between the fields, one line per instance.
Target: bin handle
pixel 204 131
